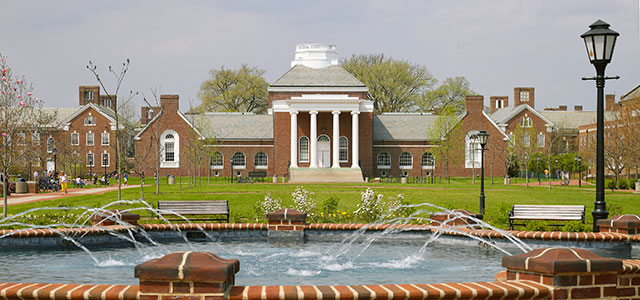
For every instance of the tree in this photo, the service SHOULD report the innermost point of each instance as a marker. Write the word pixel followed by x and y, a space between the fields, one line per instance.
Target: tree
pixel 119 76
pixel 242 90
pixel 523 146
pixel 19 109
pixel 450 94
pixel 447 135
pixel 394 85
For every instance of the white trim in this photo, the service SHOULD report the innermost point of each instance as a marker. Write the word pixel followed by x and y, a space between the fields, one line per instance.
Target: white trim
pixel 254 161
pixel 66 122
pixel 316 89
pixel 262 167
pixel 384 167
pixel 137 136
pixel 102 159
pixel 495 124
pixel 347 149
pixel 189 123
pixel 176 149
pixel 519 109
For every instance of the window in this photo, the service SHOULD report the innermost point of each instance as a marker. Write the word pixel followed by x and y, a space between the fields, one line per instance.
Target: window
pixel 75 139
pixel 524 96
pixel 499 103
pixel 90 161
pixel 89 139
pixel 105 139
pixel 22 137
pixel 170 142
pixel 384 161
pixel 565 146
pixel 88 95
pixel 526 121
pixel 89 120
pixel 304 149
pixel 217 161
pixel 105 159
pixel 260 160
pixel 541 140
pixel 427 160
pixel 406 160
pixel 344 149
pixel 51 144
pixel 472 150
pixel 526 140
pixel 238 160
pixel 35 137
pixel 106 101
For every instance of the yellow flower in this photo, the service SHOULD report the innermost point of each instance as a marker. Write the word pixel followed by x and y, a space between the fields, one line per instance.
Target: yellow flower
pixel 344 212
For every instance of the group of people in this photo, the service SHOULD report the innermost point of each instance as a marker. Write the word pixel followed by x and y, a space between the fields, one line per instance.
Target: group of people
pixel 63 179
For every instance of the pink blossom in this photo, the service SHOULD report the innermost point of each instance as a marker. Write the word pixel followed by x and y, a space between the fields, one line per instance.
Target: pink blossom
pixel 4 78
pixel 4 134
pixel 37 98
pixel 20 97
pixel 5 69
pixel 15 89
pixel 29 94
pixel 21 103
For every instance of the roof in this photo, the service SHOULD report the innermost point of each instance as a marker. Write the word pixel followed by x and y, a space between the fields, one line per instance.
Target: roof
pixel 237 126
pixel 573 119
pixel 504 115
pixel 400 126
pixel 632 94
pixel 331 76
pixel 59 113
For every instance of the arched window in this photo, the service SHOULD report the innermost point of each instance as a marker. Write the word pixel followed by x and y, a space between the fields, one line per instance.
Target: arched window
pixel 405 161
pixel 344 149
pixel 428 160
pixel 90 120
pixel 216 161
pixel 170 142
pixel 304 149
pixel 526 121
pixel 472 150
pixel 324 138
pixel 261 161
pixel 51 144
pixel 239 160
pixel 384 160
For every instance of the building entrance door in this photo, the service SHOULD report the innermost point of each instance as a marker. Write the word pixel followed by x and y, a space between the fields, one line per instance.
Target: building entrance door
pixel 324 152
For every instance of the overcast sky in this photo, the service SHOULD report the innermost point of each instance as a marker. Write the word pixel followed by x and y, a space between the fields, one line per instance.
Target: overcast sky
pixel 496 44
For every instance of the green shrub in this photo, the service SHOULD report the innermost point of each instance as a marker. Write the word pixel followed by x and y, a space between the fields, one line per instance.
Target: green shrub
pixel 498 217
pixel 610 184
pixel 576 227
pixel 623 184
pixel 536 226
pixel 614 209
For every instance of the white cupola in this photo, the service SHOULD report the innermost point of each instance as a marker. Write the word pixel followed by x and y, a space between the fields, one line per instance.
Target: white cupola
pixel 315 55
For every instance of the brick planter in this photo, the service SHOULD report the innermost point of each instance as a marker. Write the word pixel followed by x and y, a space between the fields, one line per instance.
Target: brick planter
pixel 573 273
pixel 286 225
pixel 186 276
pixel 108 218
pixel 627 224
pixel 460 216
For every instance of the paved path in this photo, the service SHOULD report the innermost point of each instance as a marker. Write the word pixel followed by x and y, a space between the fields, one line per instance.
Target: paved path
pixel 28 198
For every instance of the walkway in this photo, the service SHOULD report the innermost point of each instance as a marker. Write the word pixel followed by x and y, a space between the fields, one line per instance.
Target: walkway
pixel 28 198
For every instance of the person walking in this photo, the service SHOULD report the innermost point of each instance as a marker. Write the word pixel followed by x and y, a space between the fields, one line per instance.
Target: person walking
pixel 63 182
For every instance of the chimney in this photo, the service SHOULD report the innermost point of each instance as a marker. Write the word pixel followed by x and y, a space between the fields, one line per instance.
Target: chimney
pixel 498 102
pixel 610 103
pixel 577 107
pixel 109 101
pixel 169 102
pixel 474 104
pixel 88 94
pixel 524 95
pixel 148 113
pixel 562 108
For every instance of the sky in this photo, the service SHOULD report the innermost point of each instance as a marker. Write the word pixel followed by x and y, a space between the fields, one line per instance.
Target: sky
pixel 172 45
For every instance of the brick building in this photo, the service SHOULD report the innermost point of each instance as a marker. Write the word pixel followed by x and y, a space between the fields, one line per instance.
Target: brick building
pixel 321 126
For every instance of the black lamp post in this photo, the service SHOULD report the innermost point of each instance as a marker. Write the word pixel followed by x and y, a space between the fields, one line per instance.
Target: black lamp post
pixel 557 168
pixel 600 41
pixel 231 162
pixel 482 136
pixel 579 160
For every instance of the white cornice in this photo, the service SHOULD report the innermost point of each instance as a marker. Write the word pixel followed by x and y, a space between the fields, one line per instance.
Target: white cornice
pixel 317 89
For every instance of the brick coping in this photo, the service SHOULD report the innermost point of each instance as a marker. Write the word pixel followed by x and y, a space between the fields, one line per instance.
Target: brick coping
pixel 509 289
pixel 523 235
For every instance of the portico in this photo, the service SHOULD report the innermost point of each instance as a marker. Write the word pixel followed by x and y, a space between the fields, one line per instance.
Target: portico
pixel 337 106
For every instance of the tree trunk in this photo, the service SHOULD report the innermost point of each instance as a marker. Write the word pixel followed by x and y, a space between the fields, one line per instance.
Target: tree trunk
pixel 6 190
pixel 142 187
pixel 526 174
pixel 447 170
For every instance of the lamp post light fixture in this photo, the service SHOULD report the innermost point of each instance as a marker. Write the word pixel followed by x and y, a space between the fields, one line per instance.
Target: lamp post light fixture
pixel 600 42
pixel 483 137
pixel 579 160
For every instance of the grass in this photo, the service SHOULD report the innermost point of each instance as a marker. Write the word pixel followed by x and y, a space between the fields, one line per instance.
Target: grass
pixel 459 194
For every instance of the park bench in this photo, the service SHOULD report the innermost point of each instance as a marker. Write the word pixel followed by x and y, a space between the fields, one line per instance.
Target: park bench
pixel 546 213
pixel 198 209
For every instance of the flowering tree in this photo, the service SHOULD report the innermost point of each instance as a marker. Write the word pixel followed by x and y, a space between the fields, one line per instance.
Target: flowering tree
pixel 19 109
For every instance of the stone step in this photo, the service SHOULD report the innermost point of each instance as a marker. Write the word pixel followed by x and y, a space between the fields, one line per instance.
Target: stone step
pixel 325 175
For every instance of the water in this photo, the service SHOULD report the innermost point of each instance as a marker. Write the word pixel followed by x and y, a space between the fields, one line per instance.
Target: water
pixel 268 264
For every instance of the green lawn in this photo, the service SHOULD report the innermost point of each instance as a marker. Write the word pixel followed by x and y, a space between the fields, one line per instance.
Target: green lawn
pixel 459 194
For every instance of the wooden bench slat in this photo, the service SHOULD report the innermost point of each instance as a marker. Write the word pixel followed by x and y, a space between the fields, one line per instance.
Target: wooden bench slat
pixel 196 208
pixel 546 212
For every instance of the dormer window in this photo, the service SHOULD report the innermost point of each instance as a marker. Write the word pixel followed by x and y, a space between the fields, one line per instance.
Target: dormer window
pixel 90 120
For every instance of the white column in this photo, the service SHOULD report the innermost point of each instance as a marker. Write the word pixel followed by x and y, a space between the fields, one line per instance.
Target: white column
pixel 294 139
pixel 336 140
pixel 313 139
pixel 355 140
